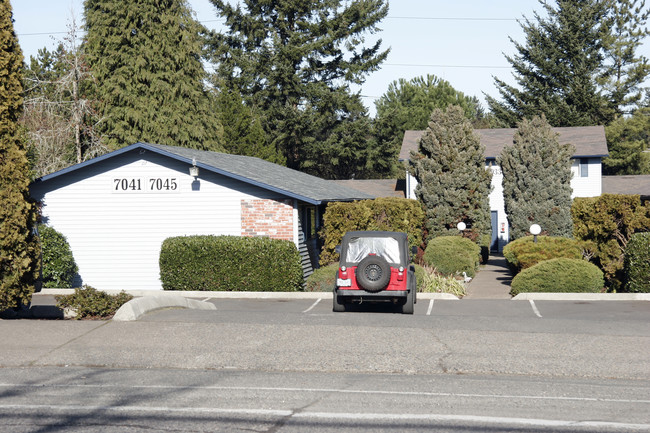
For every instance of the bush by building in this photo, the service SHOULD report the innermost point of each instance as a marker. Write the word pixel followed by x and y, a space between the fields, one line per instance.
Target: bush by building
pixel 605 225
pixel 452 255
pixel 59 268
pixel 524 252
pixel 559 275
pixel 230 263
pixel 386 214
pixel 637 263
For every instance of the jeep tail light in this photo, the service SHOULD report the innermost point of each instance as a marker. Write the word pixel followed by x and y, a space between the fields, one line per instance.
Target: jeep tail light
pixel 344 272
pixel 400 273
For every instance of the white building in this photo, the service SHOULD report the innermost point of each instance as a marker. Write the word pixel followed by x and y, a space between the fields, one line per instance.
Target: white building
pixel 590 147
pixel 116 210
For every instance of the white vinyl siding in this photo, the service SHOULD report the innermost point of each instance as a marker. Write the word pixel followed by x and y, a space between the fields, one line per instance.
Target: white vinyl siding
pixel 589 185
pixel 116 237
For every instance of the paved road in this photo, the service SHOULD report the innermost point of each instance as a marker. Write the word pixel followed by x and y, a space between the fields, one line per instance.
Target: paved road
pixel 294 366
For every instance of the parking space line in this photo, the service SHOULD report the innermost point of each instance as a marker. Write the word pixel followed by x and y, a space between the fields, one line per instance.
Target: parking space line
pixel 430 307
pixel 313 305
pixel 535 310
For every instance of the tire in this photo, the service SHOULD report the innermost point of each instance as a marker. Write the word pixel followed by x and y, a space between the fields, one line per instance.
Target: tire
pixel 336 307
pixel 408 307
pixel 413 286
pixel 373 274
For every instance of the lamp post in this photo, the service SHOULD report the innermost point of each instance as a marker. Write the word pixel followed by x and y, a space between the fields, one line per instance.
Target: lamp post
pixel 535 229
pixel 461 226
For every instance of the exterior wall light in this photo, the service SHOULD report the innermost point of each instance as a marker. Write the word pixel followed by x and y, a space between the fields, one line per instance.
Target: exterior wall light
pixel 194 170
pixel 535 229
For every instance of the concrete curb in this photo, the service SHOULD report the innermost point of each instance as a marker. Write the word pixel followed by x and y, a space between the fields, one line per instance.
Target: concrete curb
pixel 136 308
pixel 582 297
pixel 235 295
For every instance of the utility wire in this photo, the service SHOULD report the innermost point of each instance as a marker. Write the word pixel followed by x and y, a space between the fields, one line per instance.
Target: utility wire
pixel 388 18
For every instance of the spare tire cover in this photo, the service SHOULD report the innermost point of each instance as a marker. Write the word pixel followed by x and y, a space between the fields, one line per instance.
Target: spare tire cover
pixel 373 273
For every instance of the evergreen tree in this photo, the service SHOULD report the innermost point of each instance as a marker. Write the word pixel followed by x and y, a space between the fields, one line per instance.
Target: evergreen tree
pixel 628 140
pixel 453 183
pixel 18 246
pixel 624 70
pixel 407 105
pixel 557 68
pixel 145 56
pixel 242 128
pixel 537 180
pixel 294 62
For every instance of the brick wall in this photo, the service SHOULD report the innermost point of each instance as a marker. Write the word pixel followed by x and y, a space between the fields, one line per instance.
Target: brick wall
pixel 270 218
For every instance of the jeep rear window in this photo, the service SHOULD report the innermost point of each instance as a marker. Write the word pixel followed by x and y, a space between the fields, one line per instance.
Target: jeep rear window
pixel 359 248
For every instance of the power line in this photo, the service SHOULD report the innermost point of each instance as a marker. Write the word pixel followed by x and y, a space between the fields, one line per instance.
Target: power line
pixel 388 18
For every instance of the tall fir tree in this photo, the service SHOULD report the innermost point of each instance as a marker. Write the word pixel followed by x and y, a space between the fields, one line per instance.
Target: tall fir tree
pixel 242 126
pixel 408 104
pixel 557 67
pixel 294 62
pixel 625 71
pixel 453 182
pixel 18 245
pixel 537 180
pixel 146 58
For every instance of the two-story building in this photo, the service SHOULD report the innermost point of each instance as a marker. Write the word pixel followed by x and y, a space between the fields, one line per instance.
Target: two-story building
pixel 590 148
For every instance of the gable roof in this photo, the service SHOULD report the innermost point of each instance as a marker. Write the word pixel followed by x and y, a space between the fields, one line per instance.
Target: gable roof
pixel 589 141
pixel 377 187
pixel 250 170
pixel 633 185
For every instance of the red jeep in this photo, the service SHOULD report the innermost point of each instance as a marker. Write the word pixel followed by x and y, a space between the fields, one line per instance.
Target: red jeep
pixel 375 266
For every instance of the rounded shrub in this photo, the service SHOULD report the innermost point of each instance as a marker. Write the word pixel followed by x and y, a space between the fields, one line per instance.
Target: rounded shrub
pixel 322 279
pixel 59 267
pixel 525 252
pixel 451 255
pixel 637 263
pixel 230 263
pixel 559 275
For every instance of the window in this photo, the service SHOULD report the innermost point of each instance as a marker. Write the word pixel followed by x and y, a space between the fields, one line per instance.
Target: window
pixel 584 167
pixel 358 248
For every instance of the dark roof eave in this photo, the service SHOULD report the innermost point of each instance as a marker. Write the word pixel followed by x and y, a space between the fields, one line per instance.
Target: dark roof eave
pixel 172 155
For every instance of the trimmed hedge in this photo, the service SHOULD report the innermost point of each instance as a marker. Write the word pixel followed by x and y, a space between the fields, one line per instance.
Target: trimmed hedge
pixel 59 267
pixel 451 255
pixel 230 263
pixel 322 279
pixel 559 275
pixel 637 263
pixel 524 252
pixel 605 225
pixel 386 214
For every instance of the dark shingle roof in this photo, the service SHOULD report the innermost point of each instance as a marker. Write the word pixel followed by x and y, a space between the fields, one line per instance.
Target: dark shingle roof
pixel 639 184
pixel 589 141
pixel 376 187
pixel 254 171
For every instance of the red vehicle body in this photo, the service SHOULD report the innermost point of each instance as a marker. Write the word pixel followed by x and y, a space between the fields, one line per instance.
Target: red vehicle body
pixel 375 266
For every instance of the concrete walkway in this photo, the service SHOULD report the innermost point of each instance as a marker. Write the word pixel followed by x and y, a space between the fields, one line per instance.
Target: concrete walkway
pixel 492 281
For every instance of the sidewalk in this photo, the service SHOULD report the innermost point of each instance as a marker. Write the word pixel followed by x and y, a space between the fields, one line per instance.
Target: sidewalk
pixel 492 281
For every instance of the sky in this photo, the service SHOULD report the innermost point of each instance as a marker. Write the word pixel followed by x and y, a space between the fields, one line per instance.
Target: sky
pixel 461 41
